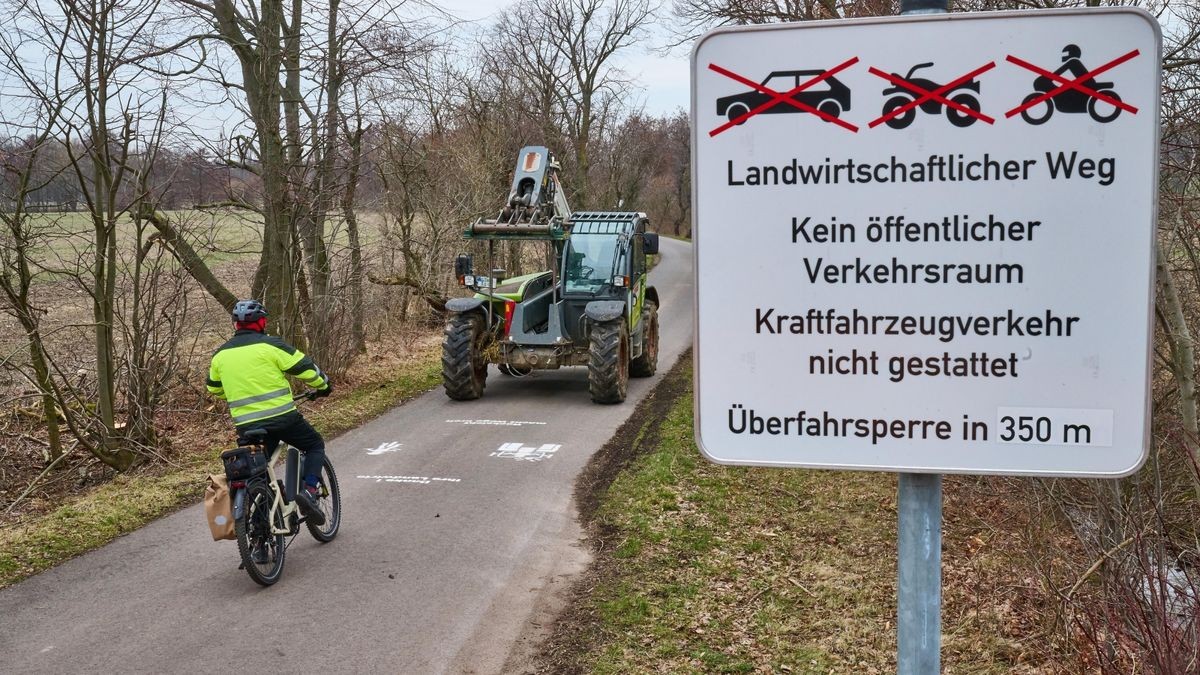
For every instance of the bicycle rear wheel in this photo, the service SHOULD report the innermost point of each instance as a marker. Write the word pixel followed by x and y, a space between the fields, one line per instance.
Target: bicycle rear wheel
pixel 330 503
pixel 262 552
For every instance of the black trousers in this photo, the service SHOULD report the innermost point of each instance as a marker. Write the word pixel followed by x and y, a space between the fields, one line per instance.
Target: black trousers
pixel 294 430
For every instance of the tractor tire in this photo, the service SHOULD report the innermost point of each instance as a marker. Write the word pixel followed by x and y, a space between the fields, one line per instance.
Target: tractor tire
pixel 646 364
pixel 608 361
pixel 464 370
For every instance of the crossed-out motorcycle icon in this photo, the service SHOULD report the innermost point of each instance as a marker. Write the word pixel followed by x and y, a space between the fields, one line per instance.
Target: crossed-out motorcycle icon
pixel 1072 100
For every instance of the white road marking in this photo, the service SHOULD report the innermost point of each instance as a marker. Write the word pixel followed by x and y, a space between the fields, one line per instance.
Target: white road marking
pixel 389 446
pixel 496 423
pixel 526 453
pixel 417 480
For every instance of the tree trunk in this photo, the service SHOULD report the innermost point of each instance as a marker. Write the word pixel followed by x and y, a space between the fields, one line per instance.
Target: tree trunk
pixel 358 332
pixel 139 396
pixel 260 59
pixel 41 375
pixel 1183 360
pixel 18 297
pixel 583 189
pixel 274 282
pixel 104 262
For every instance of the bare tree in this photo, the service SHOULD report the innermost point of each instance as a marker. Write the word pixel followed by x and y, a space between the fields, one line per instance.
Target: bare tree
pixel 296 61
pixel 568 65
pixel 18 264
pixel 697 16
pixel 88 64
pixel 255 33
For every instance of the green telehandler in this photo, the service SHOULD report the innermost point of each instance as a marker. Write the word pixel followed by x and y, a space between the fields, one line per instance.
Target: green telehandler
pixel 592 308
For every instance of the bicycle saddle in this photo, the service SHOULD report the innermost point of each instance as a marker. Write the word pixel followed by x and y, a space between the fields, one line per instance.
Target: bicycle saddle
pixel 253 437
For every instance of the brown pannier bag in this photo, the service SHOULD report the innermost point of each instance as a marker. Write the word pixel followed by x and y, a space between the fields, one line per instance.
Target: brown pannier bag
pixel 218 508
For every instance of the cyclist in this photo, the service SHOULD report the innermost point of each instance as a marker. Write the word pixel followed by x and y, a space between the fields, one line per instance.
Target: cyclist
pixel 248 372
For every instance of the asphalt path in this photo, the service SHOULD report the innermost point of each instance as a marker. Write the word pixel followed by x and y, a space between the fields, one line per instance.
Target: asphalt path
pixel 458 528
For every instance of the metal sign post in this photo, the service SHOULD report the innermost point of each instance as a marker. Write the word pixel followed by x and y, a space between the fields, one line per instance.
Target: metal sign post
pixel 919 574
pixel 919 534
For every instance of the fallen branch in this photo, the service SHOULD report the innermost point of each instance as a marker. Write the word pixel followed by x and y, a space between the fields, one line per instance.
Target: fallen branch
pixel 432 299
pixel 35 415
pixel 25 437
pixel 229 204
pixel 1096 565
pixel 34 483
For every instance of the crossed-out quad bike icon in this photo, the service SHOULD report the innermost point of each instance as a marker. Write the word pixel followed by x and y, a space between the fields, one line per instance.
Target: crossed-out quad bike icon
pixel 965 95
pixel 959 100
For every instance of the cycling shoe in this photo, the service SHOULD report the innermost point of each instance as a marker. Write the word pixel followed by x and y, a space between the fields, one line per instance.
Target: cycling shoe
pixel 309 501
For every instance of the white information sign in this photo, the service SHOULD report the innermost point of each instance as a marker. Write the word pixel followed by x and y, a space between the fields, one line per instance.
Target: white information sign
pixel 926 244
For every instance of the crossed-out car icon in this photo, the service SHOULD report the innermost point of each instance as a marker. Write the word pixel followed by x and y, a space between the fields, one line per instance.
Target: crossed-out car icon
pixel 829 96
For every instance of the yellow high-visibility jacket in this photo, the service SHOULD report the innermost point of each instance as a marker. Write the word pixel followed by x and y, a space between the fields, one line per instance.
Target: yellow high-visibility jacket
pixel 248 372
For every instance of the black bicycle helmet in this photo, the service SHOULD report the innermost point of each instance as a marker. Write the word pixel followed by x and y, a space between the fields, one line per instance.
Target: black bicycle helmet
pixel 248 311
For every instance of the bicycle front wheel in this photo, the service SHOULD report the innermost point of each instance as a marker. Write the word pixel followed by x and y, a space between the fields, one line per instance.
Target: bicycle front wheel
pixel 262 552
pixel 330 503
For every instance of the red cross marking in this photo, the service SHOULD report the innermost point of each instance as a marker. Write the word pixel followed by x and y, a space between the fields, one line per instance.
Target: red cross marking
pixel 936 94
pixel 777 98
pixel 1072 84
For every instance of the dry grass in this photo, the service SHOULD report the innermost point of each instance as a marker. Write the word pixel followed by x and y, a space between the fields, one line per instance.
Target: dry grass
pixel 705 569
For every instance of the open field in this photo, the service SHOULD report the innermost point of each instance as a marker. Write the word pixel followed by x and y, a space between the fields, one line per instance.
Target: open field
pixel 229 241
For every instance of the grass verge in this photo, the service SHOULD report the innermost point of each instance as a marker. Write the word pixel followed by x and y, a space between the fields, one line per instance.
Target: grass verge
pixel 130 501
pixel 701 568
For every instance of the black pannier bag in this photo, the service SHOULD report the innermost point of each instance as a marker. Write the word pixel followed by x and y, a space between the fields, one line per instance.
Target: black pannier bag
pixel 244 463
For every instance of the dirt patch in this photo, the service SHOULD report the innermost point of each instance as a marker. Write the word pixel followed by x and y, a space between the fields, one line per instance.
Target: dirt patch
pixel 639 432
pixel 557 632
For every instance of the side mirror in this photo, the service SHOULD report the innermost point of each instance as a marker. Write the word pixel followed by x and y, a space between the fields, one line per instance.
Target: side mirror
pixel 463 265
pixel 650 243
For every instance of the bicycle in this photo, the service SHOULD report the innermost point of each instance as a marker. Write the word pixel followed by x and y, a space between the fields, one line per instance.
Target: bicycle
pixel 265 511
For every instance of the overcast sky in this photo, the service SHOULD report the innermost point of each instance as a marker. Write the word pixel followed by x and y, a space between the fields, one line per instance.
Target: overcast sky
pixel 663 80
